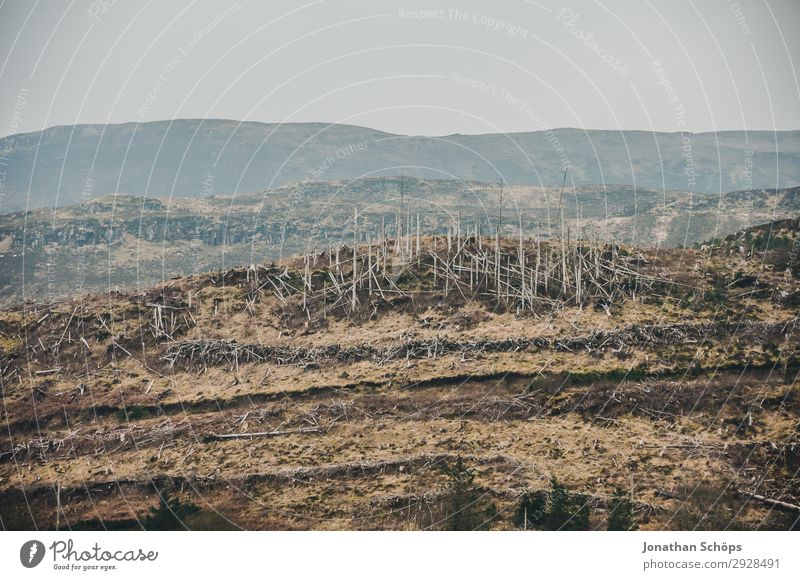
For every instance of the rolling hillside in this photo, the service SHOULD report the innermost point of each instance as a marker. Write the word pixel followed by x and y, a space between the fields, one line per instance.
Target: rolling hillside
pixel 189 158
pixel 454 382
pixel 123 242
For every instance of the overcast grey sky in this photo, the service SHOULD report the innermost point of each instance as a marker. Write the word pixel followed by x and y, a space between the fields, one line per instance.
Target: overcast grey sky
pixel 512 65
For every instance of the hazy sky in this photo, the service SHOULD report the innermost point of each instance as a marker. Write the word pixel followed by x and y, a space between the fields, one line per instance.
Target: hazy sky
pixel 511 65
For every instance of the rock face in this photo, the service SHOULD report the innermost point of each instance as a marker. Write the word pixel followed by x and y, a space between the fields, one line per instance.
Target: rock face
pixel 64 165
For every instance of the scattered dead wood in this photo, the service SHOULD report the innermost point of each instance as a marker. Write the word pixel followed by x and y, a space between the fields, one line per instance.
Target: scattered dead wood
pixel 540 278
pixel 194 353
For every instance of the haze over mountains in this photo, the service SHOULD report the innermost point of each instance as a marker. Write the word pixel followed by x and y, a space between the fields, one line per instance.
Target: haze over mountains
pixel 192 158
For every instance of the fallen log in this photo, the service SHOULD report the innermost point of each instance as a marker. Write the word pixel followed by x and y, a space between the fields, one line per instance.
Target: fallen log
pixel 226 436
pixel 772 502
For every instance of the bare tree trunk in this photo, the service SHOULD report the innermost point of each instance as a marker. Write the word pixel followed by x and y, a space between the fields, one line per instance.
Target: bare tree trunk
pixel 355 256
pixel 418 235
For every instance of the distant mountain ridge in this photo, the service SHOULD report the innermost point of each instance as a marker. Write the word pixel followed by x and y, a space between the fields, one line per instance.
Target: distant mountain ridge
pixel 194 157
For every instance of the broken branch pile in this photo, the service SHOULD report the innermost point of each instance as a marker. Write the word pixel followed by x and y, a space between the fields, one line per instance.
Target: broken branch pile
pixel 194 353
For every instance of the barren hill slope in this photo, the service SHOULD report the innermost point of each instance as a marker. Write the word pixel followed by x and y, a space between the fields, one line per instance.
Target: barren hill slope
pixel 341 389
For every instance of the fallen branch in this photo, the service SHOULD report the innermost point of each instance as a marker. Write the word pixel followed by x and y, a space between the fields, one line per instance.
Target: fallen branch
pixel 772 502
pixel 223 437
